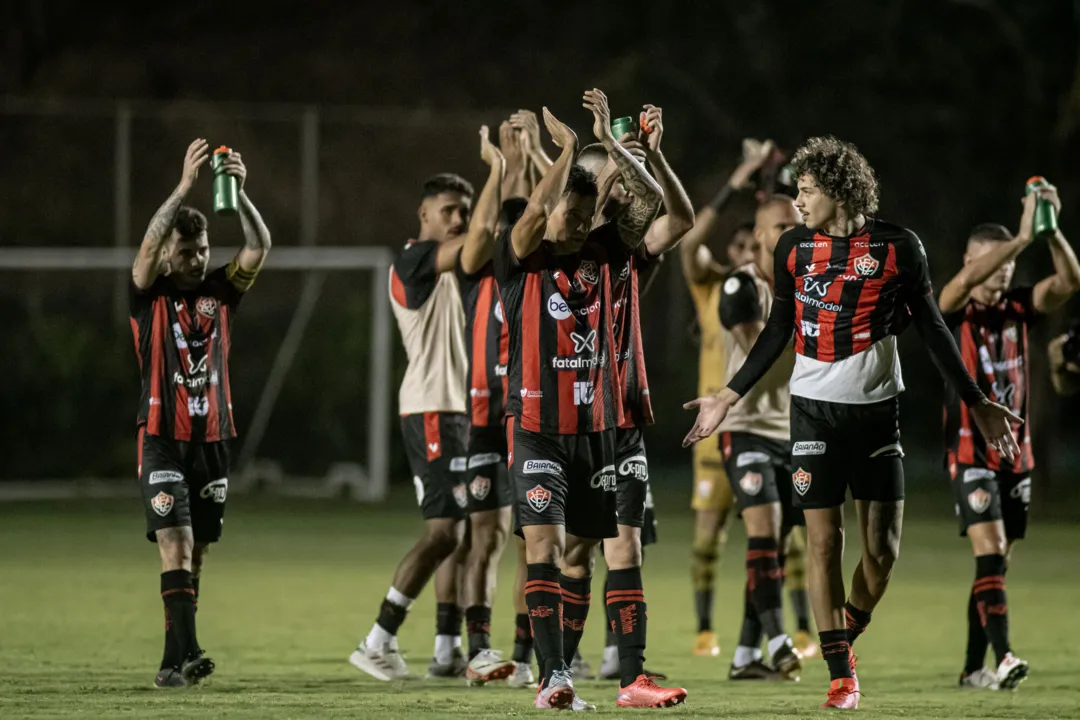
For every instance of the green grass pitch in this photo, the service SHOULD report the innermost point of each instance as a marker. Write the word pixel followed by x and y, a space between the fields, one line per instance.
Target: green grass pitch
pixel 293 586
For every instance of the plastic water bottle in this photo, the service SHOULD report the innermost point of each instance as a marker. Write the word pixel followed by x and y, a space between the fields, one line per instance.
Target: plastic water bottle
pixel 1045 222
pixel 226 187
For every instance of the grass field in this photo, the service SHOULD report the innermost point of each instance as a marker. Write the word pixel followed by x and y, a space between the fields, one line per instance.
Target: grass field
pixel 293 586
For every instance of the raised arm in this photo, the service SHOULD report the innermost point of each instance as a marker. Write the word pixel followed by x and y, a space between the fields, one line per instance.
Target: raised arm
pixel 1064 373
pixel 528 232
pixel 248 261
pixel 148 262
pixel 645 194
pixel 476 252
pixel 1053 292
pixel 515 182
pixel 698 264
pixel 665 232
pixel 526 123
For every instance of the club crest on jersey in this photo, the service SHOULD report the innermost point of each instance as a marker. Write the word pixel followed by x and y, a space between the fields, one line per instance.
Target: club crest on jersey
pixel 206 306
pixel 801 480
pixel 589 272
pixel 865 265
pixel 461 496
pixel 162 503
pixel 751 482
pixel 539 498
pixel 480 487
pixel 979 500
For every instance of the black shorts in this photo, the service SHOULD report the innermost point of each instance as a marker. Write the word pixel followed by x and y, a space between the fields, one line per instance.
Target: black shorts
pixel 435 444
pixel 758 469
pixel 835 446
pixel 487 477
pixel 987 495
pixel 184 484
pixel 633 496
pixel 564 480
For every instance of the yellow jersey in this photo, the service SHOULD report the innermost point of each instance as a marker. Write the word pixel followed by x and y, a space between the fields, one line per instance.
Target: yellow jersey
pixel 712 363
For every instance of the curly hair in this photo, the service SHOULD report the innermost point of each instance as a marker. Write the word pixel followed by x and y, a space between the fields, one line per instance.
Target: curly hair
pixel 841 172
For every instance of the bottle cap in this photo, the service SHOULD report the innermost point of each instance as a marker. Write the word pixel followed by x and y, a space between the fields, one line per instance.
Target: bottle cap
pixel 222 149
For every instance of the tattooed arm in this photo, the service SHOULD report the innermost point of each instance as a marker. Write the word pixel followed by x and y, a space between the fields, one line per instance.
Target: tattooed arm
pixel 148 262
pixel 247 263
pixel 645 194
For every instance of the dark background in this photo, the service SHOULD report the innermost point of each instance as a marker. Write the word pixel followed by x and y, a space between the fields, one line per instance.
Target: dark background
pixel 954 103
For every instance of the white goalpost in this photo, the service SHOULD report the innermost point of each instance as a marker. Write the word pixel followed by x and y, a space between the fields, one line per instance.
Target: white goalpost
pixel 365 481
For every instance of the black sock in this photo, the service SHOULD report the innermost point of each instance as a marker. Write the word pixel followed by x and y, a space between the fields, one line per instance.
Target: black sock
pixel 856 621
pixel 544 599
pixel 523 639
pixel 977 642
pixel 170 656
pixel 478 625
pixel 391 616
pixel 609 632
pixel 991 603
pixel 575 598
pixel 836 650
pixel 627 614
pixel 179 598
pixel 703 569
pixel 800 605
pixel 448 618
pixel 195 586
pixel 750 634
pixel 765 582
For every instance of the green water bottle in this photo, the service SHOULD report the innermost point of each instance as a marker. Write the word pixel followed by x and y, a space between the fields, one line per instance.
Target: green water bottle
pixel 226 187
pixel 621 126
pixel 1045 222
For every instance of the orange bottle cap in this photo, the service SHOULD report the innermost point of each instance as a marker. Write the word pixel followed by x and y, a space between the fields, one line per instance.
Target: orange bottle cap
pixel 1035 179
pixel 222 149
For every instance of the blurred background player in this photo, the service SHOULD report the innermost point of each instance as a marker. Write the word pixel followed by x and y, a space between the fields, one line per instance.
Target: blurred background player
pixel 432 402
pixel 181 318
pixel 1064 354
pixel 487 482
pixel 756 445
pixel 844 281
pixel 990 321
pixel 712 499
pixel 636 512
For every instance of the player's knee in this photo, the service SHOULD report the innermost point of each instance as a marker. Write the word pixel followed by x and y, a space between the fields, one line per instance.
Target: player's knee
pixel 579 559
pixel 825 544
pixel 176 548
pixel 883 552
pixel 443 540
pixel 487 539
pixel 623 552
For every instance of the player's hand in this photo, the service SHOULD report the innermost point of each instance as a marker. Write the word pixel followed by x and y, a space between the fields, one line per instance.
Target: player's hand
pixel 510 145
pixel 233 165
pixel 488 152
pixel 596 102
pixel 561 134
pixel 630 142
pixel 995 423
pixel 652 123
pixel 197 154
pixel 755 155
pixel 712 409
pixel 1027 218
pixel 528 127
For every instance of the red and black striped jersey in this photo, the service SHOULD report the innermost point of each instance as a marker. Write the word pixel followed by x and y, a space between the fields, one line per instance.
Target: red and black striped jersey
pixel 994 345
pixel 629 273
pixel 182 343
pixel 563 377
pixel 849 292
pixel 488 346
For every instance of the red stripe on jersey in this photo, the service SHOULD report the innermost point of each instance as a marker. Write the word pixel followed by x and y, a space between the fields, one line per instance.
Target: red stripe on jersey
pixel 504 354
pixel 135 332
pixel 531 307
pixel 826 319
pixel 158 330
pixel 432 439
pixel 725 443
pixel 509 440
pixel 799 340
pixel 1025 462
pixel 397 289
pixel 210 393
pixel 481 399
pixel 226 346
pixel 970 354
pixel 600 399
pixel 568 419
